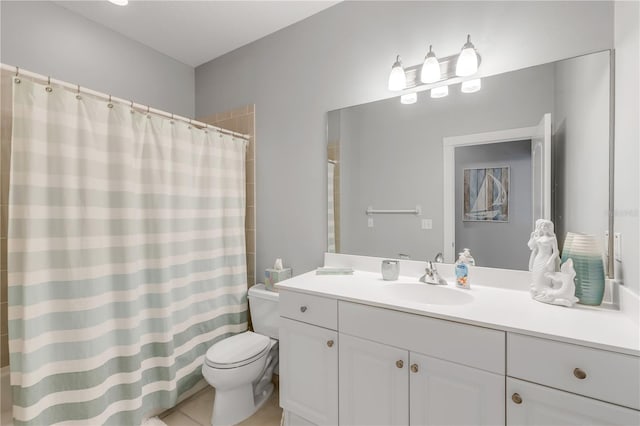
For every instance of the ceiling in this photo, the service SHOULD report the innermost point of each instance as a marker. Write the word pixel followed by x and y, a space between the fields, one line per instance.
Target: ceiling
pixel 195 32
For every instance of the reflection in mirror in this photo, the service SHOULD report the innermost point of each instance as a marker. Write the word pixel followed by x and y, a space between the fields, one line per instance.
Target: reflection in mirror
pixel 481 167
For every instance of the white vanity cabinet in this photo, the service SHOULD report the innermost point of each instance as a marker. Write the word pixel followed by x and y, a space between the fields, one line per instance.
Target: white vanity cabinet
pixel 384 385
pixel 533 405
pixel 374 383
pixel 308 359
pixel 445 393
pixel 384 380
pixel 564 384
pixel 346 363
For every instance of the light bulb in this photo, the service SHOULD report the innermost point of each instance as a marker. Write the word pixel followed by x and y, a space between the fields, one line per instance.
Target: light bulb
pixel 397 78
pixel 439 92
pixel 467 60
pixel 471 86
pixel 409 98
pixel 119 2
pixel 430 68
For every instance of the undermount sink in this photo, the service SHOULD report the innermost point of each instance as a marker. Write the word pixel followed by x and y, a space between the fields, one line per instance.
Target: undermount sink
pixel 426 293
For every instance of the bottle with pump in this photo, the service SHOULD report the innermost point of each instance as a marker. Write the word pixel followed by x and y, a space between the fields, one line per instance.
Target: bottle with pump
pixel 462 272
pixel 468 259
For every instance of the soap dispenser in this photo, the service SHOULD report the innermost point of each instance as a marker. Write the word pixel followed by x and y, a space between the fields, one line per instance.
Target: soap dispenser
pixel 468 259
pixel 462 272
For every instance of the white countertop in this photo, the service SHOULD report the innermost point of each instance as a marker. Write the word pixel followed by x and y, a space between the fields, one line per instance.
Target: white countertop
pixel 492 307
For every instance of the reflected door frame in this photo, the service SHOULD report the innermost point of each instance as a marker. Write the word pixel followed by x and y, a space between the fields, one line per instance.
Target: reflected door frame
pixel 449 145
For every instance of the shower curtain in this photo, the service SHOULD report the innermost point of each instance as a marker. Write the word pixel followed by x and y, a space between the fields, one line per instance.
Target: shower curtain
pixel 126 256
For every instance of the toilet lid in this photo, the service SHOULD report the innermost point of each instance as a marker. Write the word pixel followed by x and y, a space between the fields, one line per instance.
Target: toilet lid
pixel 237 350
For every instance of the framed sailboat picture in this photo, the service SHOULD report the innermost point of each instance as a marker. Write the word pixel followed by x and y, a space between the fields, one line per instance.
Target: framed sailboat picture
pixel 486 194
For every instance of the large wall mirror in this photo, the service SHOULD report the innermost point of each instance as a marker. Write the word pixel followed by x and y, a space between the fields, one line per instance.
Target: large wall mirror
pixel 474 170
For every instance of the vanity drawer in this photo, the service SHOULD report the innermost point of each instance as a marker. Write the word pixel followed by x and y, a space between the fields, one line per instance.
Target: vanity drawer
pixel 469 345
pixel 600 374
pixel 315 310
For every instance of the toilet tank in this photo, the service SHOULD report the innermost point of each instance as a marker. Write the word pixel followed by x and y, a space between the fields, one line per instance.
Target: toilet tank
pixel 263 305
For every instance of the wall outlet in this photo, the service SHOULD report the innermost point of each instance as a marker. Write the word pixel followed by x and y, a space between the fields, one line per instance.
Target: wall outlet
pixel 427 224
pixel 370 222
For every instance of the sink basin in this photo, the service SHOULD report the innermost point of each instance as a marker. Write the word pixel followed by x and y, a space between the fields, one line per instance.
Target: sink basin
pixel 426 293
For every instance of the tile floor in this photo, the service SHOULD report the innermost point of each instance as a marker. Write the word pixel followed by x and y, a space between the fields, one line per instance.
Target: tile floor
pixel 196 411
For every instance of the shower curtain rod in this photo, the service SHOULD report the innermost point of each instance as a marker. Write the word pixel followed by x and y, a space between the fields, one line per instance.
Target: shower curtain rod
pixel 146 108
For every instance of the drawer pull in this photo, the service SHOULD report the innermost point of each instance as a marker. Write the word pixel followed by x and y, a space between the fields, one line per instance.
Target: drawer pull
pixel 399 363
pixel 414 368
pixel 303 309
pixel 330 343
pixel 579 373
pixel 516 398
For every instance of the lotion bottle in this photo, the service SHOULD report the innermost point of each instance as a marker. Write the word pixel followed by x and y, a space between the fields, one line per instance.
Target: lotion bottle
pixel 462 273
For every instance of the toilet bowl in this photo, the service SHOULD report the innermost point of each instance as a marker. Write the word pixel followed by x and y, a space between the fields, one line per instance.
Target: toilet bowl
pixel 240 367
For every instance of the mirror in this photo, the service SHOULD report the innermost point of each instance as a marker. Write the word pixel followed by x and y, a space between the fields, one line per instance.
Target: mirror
pixel 474 169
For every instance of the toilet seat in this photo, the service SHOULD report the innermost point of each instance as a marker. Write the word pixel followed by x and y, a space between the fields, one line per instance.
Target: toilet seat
pixel 238 350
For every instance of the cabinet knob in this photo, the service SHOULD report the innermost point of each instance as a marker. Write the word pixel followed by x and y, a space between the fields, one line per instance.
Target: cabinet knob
pixel 330 343
pixel 516 398
pixel 303 309
pixel 399 363
pixel 579 373
pixel 414 368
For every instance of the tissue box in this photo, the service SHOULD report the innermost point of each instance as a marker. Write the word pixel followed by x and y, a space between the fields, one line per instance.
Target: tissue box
pixel 272 276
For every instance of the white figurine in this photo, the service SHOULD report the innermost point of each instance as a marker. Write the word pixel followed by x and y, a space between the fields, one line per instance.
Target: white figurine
pixel 544 256
pixel 562 291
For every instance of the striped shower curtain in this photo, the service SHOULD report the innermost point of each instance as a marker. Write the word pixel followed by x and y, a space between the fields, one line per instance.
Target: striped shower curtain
pixel 126 256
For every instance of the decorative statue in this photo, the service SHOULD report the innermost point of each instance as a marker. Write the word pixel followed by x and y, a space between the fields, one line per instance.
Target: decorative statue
pixel 548 285
pixel 544 255
pixel 563 288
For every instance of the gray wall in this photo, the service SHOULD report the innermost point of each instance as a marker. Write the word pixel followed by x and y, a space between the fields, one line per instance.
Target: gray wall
pixel 341 57
pixel 627 176
pixel 581 149
pixel 391 158
pixel 503 244
pixel 48 39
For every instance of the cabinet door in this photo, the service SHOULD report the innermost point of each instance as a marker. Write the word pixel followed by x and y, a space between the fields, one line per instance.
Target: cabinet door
pixel 531 404
pixel 445 393
pixel 309 371
pixel 374 383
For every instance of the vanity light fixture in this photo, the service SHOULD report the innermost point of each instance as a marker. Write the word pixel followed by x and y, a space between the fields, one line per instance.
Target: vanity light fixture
pixel 409 98
pixel 467 63
pixel 430 72
pixel 397 78
pixel 471 86
pixel 119 2
pixel 439 92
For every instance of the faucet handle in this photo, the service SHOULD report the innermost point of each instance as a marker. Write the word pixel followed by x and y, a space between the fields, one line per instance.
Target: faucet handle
pixel 439 258
pixel 431 275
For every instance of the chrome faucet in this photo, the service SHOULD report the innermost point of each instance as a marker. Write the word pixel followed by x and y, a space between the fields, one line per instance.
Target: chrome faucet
pixel 431 275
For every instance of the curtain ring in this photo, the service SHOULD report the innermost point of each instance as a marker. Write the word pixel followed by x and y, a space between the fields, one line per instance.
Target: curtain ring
pixel 110 105
pixel 190 124
pixel 148 112
pixel 78 97
pixel 48 88
pixel 17 78
pixel 132 110
pixel 171 121
pixel 17 71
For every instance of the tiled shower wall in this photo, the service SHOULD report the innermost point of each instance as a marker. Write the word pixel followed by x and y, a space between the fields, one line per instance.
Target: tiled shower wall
pixel 242 120
pixel 5 154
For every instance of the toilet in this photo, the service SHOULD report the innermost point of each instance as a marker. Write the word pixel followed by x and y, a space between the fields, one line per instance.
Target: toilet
pixel 240 367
